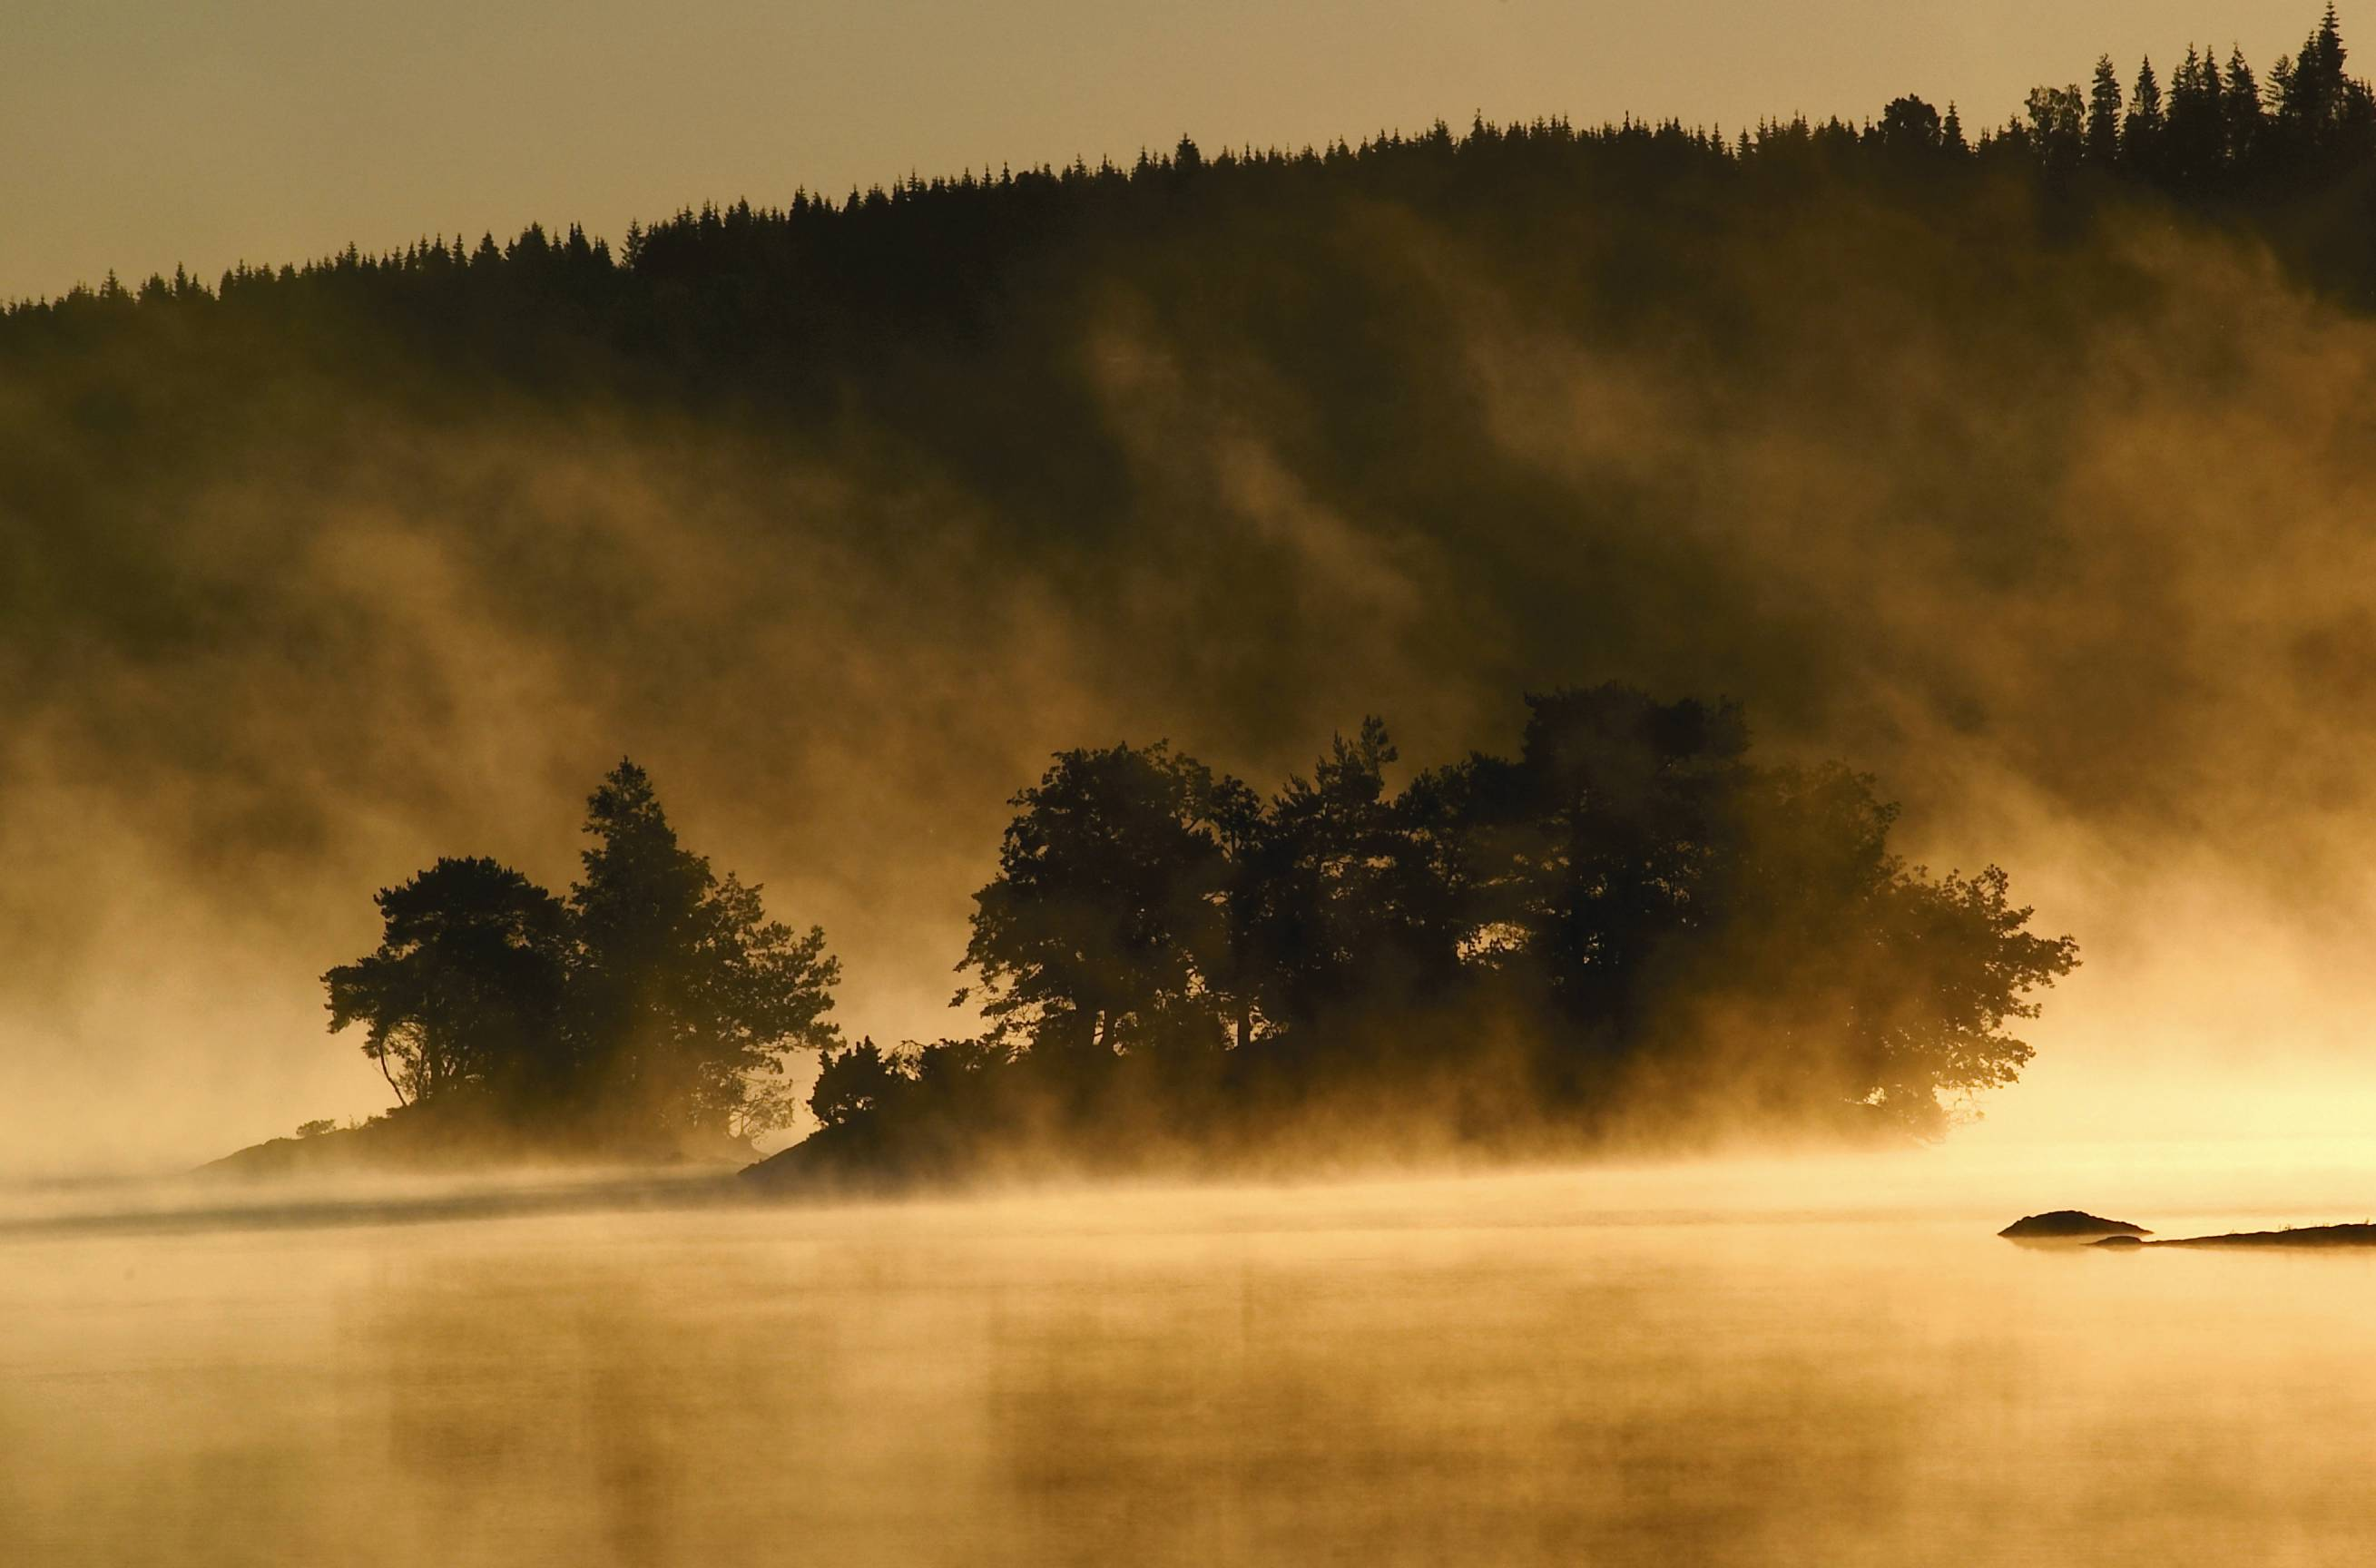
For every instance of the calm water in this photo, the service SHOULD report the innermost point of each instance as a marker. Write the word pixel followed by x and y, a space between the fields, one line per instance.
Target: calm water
pixel 1716 1365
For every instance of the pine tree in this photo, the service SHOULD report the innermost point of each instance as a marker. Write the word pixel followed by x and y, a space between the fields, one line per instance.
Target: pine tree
pixel 2140 134
pixel 2312 92
pixel 2196 144
pixel 2213 110
pixel 2327 53
pixel 2104 116
pixel 2240 109
pixel 2278 96
pixel 685 999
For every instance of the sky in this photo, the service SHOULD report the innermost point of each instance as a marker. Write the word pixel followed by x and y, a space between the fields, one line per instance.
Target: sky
pixel 140 135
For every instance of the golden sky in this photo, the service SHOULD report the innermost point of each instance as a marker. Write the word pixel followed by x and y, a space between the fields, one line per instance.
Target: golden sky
pixel 136 133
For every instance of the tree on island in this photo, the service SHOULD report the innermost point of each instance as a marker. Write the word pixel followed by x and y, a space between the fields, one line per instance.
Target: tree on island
pixel 683 999
pixel 464 988
pixel 1103 930
pixel 659 1001
pixel 1629 916
pixel 1344 907
pixel 854 1082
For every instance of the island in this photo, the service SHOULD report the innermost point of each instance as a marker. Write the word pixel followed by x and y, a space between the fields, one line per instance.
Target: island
pixel 1629 930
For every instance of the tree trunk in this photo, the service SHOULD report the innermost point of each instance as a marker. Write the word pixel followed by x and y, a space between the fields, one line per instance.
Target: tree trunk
pixel 381 1057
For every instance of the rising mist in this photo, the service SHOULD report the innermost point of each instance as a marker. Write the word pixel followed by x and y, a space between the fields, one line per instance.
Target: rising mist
pixel 2034 495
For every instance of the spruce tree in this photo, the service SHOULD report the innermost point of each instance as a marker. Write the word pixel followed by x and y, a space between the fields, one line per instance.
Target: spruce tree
pixel 2195 144
pixel 2104 116
pixel 2142 134
pixel 683 998
pixel 2240 109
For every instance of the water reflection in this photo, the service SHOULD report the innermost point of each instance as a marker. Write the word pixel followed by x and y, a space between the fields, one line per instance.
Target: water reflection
pixel 1590 1368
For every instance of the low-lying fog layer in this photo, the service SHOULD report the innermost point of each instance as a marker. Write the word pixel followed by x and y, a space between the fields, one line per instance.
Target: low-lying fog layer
pixel 1834 1363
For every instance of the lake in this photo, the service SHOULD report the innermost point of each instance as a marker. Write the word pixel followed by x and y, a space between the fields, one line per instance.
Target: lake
pixel 1832 1361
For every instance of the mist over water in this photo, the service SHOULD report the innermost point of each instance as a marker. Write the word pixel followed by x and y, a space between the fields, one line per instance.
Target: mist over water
pixel 1817 1362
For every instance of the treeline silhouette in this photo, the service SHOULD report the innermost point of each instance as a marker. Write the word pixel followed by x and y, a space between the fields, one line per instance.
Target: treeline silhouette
pixel 798 302
pixel 1629 923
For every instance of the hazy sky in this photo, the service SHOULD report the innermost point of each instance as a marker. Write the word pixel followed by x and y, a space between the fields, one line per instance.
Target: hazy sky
pixel 136 133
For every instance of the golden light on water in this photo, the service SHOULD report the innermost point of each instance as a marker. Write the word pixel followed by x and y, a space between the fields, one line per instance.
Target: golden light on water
pixel 1832 1361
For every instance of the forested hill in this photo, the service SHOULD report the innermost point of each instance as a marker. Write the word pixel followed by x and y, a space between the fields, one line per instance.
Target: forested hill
pixel 809 302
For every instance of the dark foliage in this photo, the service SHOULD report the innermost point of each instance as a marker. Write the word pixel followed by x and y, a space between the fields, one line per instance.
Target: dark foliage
pixel 658 999
pixel 822 299
pixel 465 987
pixel 1628 918
pixel 685 999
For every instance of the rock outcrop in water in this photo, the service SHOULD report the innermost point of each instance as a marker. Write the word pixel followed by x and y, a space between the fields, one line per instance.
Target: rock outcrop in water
pixel 2360 1235
pixel 2068 1224
pixel 2076 1225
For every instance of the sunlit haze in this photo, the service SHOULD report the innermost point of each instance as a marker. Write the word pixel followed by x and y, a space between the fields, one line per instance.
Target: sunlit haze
pixel 1238 785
